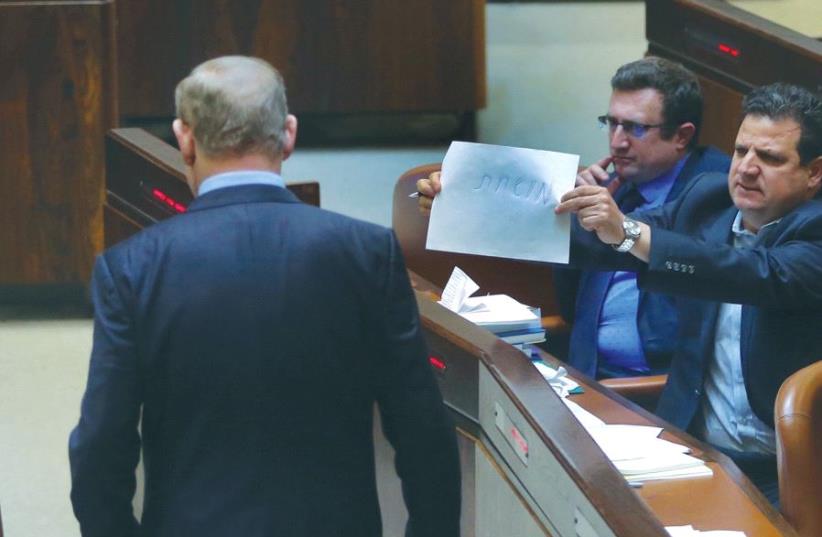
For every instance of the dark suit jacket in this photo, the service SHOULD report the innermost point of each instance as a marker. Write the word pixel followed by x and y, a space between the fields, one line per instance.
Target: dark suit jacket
pixel 255 334
pixel 581 294
pixel 778 282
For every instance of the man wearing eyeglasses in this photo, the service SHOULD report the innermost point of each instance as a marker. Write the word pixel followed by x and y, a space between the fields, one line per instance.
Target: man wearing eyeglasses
pixel 743 254
pixel 653 122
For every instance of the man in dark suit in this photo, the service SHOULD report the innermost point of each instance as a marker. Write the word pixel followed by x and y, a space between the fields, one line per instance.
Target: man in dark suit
pixel 653 121
pixel 254 334
pixel 743 255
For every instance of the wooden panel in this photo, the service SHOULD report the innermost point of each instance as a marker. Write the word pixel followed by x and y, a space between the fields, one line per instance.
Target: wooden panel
pixel 56 103
pixel 336 55
pixel 721 115
pixel 756 51
pixel 732 51
pixel 145 183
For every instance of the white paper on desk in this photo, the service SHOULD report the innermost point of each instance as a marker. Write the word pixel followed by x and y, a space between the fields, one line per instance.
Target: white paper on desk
pixel 459 287
pixel 499 201
pixel 690 531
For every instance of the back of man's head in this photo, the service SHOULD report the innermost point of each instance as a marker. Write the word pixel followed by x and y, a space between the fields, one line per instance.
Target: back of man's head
pixel 235 105
pixel 786 101
pixel 680 90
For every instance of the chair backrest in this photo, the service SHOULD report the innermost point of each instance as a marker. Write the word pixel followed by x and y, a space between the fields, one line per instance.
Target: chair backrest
pixel 798 420
pixel 530 283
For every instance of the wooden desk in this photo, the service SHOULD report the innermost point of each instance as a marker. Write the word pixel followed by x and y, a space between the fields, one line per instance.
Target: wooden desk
pixel 566 478
pixel 145 183
pixel 732 51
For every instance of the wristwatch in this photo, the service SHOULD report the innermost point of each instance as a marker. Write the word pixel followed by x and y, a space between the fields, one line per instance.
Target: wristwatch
pixel 632 231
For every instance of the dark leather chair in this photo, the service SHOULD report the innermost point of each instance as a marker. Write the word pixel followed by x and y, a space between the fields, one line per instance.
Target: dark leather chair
pixel 530 283
pixel 798 420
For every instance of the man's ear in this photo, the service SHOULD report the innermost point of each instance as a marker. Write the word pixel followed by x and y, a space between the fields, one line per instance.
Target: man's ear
pixel 684 134
pixel 815 173
pixel 185 140
pixel 290 135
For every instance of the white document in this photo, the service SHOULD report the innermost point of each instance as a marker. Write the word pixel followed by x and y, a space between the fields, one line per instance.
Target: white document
pixel 498 313
pixel 689 531
pixel 457 290
pixel 499 201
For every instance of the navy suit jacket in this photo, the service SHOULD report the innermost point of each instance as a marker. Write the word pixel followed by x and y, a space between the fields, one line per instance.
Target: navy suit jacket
pixel 581 294
pixel 254 334
pixel 778 282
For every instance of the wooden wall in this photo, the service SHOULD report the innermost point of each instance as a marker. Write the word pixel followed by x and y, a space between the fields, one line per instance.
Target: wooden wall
pixel 337 56
pixel 56 104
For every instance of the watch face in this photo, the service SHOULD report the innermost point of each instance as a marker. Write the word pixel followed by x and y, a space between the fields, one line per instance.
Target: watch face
pixel 631 228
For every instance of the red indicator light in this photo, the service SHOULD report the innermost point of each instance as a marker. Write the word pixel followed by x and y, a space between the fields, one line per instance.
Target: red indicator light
pixel 437 363
pixel 729 50
pixel 520 441
pixel 159 195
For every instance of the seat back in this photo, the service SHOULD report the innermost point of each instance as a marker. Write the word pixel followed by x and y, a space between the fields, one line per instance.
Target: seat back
pixel 530 283
pixel 798 420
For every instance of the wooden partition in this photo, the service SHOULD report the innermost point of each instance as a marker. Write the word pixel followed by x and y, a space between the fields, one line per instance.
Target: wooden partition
pixel 339 58
pixel 145 183
pixel 57 61
pixel 530 469
pixel 731 51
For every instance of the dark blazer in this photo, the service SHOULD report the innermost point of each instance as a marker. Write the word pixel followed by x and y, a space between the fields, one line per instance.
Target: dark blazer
pixel 581 294
pixel 778 282
pixel 255 334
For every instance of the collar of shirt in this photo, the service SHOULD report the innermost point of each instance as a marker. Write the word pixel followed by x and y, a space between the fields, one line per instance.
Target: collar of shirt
pixel 655 192
pixel 742 235
pixel 229 179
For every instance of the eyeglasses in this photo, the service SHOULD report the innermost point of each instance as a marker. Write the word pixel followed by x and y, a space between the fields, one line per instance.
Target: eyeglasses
pixel 632 129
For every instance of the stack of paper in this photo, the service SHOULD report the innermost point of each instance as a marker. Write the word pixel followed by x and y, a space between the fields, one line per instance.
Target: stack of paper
pixel 689 531
pixel 510 320
pixel 636 450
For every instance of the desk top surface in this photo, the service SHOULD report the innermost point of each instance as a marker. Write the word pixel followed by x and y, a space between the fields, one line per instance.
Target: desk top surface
pixel 725 501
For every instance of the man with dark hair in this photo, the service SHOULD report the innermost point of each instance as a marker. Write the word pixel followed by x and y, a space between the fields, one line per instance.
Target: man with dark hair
pixel 653 121
pixel 743 255
pixel 250 338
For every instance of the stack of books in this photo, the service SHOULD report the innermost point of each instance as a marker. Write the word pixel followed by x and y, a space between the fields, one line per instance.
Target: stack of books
pixel 511 321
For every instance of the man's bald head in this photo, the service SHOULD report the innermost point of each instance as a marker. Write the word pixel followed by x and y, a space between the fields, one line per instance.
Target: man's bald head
pixel 235 105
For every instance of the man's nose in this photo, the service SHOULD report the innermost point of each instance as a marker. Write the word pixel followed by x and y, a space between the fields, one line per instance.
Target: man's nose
pixel 619 139
pixel 748 165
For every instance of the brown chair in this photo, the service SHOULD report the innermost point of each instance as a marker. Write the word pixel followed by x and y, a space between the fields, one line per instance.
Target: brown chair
pixel 798 420
pixel 531 283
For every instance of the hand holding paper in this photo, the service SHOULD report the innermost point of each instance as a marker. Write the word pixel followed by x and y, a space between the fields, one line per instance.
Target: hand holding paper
pixel 499 201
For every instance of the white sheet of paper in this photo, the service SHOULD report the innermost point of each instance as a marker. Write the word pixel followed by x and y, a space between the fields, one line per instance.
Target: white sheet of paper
pixel 499 201
pixel 459 287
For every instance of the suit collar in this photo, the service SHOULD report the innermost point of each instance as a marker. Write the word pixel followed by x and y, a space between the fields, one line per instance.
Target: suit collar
pixel 242 194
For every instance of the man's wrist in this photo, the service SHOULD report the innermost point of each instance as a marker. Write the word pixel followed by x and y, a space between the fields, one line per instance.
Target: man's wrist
pixel 632 231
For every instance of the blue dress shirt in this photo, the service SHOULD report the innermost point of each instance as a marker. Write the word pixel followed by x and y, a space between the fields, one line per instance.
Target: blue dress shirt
pixel 727 418
pixel 250 177
pixel 618 341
